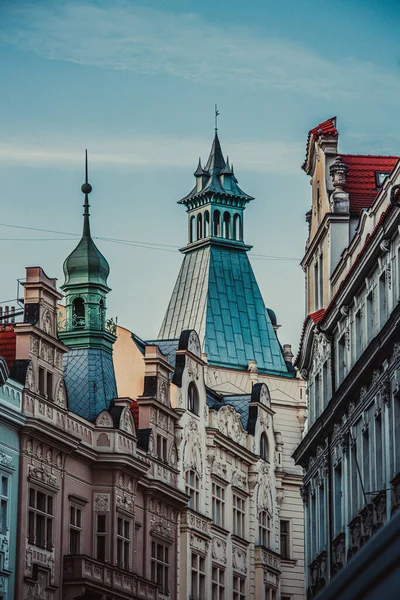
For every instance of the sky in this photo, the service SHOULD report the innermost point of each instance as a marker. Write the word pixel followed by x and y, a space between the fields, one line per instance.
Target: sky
pixel 135 84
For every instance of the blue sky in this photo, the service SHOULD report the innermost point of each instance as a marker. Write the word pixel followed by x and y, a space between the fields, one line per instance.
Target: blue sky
pixel 136 85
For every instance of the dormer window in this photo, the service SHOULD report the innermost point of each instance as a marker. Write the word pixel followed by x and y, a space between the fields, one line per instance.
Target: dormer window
pixel 264 449
pixel 193 399
pixel 380 177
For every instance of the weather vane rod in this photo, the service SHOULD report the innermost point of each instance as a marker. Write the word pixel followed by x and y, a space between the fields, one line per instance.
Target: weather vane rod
pixel 216 117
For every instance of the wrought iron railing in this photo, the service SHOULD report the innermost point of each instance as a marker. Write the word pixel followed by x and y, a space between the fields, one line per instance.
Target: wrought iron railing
pixel 91 320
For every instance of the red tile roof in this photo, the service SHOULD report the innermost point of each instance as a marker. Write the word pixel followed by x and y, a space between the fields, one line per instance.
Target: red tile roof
pixel 327 128
pixel 361 180
pixel 8 344
pixel 316 316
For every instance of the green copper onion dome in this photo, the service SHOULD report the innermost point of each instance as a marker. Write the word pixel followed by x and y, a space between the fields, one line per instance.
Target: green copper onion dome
pixel 86 264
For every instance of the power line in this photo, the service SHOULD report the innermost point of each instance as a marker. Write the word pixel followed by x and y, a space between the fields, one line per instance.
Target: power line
pixel 135 243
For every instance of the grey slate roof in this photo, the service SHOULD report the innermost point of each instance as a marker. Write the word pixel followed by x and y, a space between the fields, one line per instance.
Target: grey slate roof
pixel 240 403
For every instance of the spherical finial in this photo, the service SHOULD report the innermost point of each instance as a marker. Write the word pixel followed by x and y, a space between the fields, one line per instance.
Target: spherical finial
pixel 86 188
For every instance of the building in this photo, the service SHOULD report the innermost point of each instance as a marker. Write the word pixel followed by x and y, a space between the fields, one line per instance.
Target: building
pixel 96 518
pixel 217 295
pixel 349 356
pixel 10 422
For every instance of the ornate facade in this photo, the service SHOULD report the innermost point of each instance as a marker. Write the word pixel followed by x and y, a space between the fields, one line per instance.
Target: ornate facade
pixel 349 353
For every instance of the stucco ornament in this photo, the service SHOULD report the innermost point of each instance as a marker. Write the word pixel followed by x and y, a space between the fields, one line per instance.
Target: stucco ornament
pixel 192 451
pixel 102 502
pixel 163 392
pixel 5 460
pixel 264 494
pixel 104 420
pixel 38 590
pixel 126 421
pixel 60 395
pixel 230 424
pixel 46 323
pixel 239 559
pixel 218 550
pixel 43 476
pixel 265 397
pixel 30 380
pixel 173 456
pixel 194 344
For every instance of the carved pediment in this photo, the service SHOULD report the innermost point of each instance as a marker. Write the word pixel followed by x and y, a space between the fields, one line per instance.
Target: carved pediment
pixel 230 424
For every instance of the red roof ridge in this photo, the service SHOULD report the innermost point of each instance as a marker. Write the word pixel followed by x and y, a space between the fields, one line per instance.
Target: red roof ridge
pixel 369 155
pixel 327 128
pixel 315 317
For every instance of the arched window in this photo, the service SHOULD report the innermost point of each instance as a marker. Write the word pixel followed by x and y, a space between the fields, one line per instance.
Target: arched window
pixel 237 228
pixel 264 448
pixel 78 313
pixel 216 223
pixel 191 229
pixel 193 398
pixel 199 227
pixel 192 489
pixel 264 529
pixel 206 224
pixel 227 225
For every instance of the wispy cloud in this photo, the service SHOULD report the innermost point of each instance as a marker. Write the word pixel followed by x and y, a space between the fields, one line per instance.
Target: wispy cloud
pixel 152 151
pixel 120 35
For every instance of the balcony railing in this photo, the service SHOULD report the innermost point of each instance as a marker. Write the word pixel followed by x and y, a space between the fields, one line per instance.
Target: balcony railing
pixel 95 576
pixel 92 320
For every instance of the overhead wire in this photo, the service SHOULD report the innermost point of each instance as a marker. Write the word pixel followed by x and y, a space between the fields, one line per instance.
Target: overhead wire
pixel 136 243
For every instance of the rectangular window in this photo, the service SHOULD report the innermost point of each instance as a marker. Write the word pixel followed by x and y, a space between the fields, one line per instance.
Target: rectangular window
pixel 192 489
pixel 379 456
pixel 321 507
pixel 321 281
pixel 123 543
pixel 316 293
pixel 354 479
pixel 75 529
pixel 366 462
pixel 50 385
pixel 325 386
pixel 218 583
pixel 4 491
pixel 383 300
pixel 342 366
pixel 338 499
pixel 370 317
pixel 198 573
pixel 162 448
pixel 313 527
pixel 218 504
pixel 41 381
pixel 264 529
pixel 284 538
pixel 239 588
pixel 357 336
pixel 160 565
pixel 239 515
pixel 101 537
pixel 317 390
pixel 40 519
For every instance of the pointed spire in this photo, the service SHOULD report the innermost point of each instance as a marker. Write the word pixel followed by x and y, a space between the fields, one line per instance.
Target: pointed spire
pixel 216 161
pixel 86 189
pixel 199 171
pixel 227 169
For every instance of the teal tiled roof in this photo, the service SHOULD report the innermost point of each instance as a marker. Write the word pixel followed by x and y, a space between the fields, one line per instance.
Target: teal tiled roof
pixel 216 294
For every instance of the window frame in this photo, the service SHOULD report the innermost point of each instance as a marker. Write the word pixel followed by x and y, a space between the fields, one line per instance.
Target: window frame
pixel 199 570
pixel 239 506
pixel 217 582
pixel 160 566
pixel 193 401
pixel 123 542
pixel 264 529
pixel 237 592
pixel 192 489
pixel 75 527
pixel 286 535
pixel 47 518
pixel 4 502
pixel 218 503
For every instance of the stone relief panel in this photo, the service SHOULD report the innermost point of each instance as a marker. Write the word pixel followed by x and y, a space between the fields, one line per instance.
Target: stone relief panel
pixel 126 422
pixel 264 492
pixel 194 344
pixel 239 559
pixel 218 550
pixel 230 424
pixel 192 454
pixel 101 502
pixel 199 544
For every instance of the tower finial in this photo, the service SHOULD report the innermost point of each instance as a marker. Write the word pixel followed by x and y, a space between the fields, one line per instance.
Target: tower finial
pixel 86 189
pixel 216 117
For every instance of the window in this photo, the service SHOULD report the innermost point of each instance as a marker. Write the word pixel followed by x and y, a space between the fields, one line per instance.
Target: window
pixel 4 491
pixel 264 529
pixel 41 381
pixel 161 448
pixel 193 398
pixel 321 508
pixel 317 396
pixel 338 499
pixel 206 224
pixel 239 515
pixel 264 450
pixel 192 489
pixel 237 228
pixel 239 588
pixel 325 386
pixel 40 519
pixel 383 300
pixel 160 565
pixel 284 539
pixel 218 583
pixel 354 478
pixel 380 177
pixel 218 504
pixel 227 225
pixel 199 227
pixel 49 385
pixel 270 594
pixel 101 537
pixel 357 336
pixel 216 223
pixel 78 317
pixel 192 223
pixel 316 281
pixel 342 359
pixel 370 317
pixel 379 455
pixel 198 572
pixel 75 529
pixel 366 461
pixel 321 281
pixel 123 543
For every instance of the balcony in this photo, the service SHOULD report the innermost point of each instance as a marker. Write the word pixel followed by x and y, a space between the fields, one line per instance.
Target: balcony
pixel 91 321
pixel 87 577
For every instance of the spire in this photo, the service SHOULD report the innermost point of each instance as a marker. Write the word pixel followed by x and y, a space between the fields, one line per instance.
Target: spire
pixel 86 189
pixel 227 169
pixel 216 161
pixel 199 171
